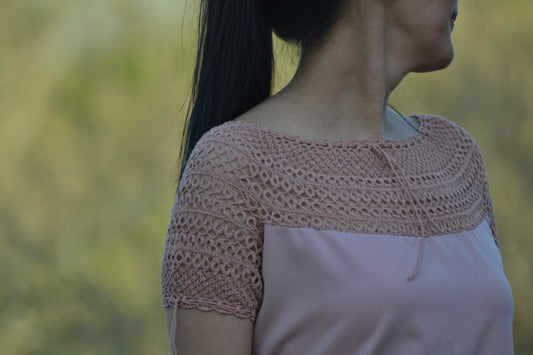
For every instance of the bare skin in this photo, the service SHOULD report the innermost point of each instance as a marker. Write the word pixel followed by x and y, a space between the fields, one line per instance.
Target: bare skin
pixel 340 92
pixel 342 87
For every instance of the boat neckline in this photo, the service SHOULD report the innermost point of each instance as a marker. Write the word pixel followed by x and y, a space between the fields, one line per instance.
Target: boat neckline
pixel 420 134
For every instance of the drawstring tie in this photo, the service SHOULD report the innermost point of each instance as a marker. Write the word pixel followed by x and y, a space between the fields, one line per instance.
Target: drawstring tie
pixel 403 184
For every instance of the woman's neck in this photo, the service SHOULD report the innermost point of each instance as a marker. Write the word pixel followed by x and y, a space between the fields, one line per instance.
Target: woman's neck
pixel 342 86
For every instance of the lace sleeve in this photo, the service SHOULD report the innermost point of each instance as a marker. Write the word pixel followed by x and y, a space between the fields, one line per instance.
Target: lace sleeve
pixel 489 210
pixel 212 254
pixel 482 184
pixel 486 197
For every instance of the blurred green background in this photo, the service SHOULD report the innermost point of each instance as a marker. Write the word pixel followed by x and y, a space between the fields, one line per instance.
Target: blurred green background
pixel 92 96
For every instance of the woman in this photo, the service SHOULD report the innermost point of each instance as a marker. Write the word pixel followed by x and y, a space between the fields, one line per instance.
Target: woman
pixel 318 221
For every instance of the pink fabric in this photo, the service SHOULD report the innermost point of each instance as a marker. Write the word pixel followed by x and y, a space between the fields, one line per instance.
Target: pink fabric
pixel 242 178
pixel 329 292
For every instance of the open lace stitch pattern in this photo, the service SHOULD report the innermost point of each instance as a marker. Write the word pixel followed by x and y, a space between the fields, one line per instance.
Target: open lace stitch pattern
pixel 241 176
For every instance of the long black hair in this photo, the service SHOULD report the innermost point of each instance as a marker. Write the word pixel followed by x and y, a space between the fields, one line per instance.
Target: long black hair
pixel 234 62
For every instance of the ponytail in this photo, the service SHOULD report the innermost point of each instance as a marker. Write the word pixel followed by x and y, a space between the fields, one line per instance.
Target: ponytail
pixel 233 71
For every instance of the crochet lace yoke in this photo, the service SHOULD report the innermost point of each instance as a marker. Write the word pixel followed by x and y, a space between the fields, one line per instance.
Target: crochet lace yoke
pixel 242 176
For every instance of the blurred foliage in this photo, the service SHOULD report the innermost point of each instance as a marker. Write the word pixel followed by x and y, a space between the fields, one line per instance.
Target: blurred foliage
pixel 92 96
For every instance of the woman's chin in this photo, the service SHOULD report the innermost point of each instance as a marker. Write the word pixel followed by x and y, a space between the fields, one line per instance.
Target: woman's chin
pixel 436 61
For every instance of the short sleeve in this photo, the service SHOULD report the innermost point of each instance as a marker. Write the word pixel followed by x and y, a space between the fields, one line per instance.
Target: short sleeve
pixel 212 255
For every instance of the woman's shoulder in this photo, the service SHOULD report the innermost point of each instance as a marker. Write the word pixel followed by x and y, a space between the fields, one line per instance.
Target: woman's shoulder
pixel 457 142
pixel 447 133
pixel 447 130
pixel 223 153
pixel 231 137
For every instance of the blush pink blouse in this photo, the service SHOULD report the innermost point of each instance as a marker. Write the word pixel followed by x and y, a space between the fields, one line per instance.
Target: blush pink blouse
pixel 342 247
